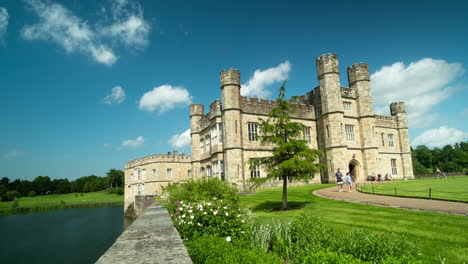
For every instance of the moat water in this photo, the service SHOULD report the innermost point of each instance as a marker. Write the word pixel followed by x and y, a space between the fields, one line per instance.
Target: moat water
pixel 67 236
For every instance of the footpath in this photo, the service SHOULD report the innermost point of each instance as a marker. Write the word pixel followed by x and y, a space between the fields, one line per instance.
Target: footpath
pixel 395 202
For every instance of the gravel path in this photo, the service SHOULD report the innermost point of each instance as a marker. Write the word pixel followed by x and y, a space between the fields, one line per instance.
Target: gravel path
pixel 395 202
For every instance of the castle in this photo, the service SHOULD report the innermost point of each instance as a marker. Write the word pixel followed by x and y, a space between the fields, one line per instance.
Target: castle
pixel 339 121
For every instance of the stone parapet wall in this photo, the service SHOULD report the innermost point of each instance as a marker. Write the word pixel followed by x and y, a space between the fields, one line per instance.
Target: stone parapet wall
pixel 386 121
pixel 151 238
pixel 169 157
pixel 264 107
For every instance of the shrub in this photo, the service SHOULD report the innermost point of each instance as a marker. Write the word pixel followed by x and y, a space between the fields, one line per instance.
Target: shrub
pixel 11 195
pixel 117 190
pixel 205 189
pixel 215 250
pixel 31 193
pixel 216 217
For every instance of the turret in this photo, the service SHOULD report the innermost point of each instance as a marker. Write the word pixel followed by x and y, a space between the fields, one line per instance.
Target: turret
pixel 231 112
pixel 230 88
pixel 328 74
pixel 398 109
pixel 327 64
pixel 359 79
pixel 196 114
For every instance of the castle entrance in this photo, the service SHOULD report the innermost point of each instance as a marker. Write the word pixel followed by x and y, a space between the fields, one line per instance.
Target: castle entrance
pixel 354 170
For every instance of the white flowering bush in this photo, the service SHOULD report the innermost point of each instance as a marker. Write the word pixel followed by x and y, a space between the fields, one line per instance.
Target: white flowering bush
pixel 218 217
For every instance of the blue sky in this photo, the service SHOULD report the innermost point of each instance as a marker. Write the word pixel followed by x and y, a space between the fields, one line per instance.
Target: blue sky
pixel 88 85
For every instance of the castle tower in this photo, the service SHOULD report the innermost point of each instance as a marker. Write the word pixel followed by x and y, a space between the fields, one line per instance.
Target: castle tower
pixel 332 140
pixel 398 109
pixel 359 80
pixel 196 114
pixel 231 112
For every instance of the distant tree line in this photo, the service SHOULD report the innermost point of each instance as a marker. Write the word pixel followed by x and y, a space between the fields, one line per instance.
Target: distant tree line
pixel 43 185
pixel 448 159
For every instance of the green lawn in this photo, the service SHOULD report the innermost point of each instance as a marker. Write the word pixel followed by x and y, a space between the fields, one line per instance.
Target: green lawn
pixel 455 188
pixel 434 234
pixel 57 201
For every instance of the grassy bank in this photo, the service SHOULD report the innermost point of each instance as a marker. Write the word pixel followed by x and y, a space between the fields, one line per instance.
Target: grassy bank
pixel 453 189
pixel 60 201
pixel 434 234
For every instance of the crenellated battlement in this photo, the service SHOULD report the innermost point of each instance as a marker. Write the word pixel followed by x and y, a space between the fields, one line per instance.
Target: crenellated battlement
pixel 327 64
pixel 231 76
pixel 263 106
pixel 169 157
pixel 385 121
pixel 358 72
pixel 348 93
pixel 197 109
pixel 397 108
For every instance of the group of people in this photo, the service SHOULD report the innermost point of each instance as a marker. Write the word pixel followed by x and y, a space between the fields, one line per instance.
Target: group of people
pixel 339 180
pixel 378 178
pixel 440 174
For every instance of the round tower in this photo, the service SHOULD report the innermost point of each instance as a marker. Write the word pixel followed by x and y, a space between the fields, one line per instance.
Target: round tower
pixel 230 88
pixel 359 79
pixel 231 113
pixel 196 114
pixel 331 118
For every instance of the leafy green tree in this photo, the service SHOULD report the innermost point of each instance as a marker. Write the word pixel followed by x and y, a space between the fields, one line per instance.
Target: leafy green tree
pixel 116 178
pixel 5 181
pixel 42 184
pixel 292 158
pixel 424 156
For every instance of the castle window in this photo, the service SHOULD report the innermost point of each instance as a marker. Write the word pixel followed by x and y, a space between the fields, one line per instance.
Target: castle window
pixel 202 146
pixel 189 174
pixel 169 173
pixel 215 167
pixel 221 169
pixel 383 142
pixel 328 132
pixel 347 106
pixel 143 174
pixel 137 174
pixel 202 171
pixel 207 142
pixel 349 132
pixel 253 133
pixel 208 170
pixel 307 134
pixel 254 171
pixel 154 173
pixel 214 135
pixel 393 165
pixel 143 189
pixel 391 143
pixel 220 133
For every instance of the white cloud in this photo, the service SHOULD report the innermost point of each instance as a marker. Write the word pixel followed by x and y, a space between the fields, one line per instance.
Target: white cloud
pixel 58 24
pixel 3 21
pixel 164 98
pixel 106 145
pixel 13 153
pixel 133 142
pixel 256 85
pixel 439 137
pixel 129 26
pixel 181 140
pixel 117 96
pixel 422 85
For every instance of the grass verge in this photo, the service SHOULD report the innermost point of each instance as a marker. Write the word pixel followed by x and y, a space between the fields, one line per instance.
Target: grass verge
pixel 437 236
pixel 452 189
pixel 60 201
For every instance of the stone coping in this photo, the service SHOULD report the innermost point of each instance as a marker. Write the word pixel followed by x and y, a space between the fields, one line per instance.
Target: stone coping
pixel 151 238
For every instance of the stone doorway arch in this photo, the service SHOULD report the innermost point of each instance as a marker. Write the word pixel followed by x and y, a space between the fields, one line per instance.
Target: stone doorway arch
pixel 354 168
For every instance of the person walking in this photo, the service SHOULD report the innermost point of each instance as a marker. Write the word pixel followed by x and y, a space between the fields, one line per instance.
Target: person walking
pixel 438 173
pixel 339 180
pixel 349 182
